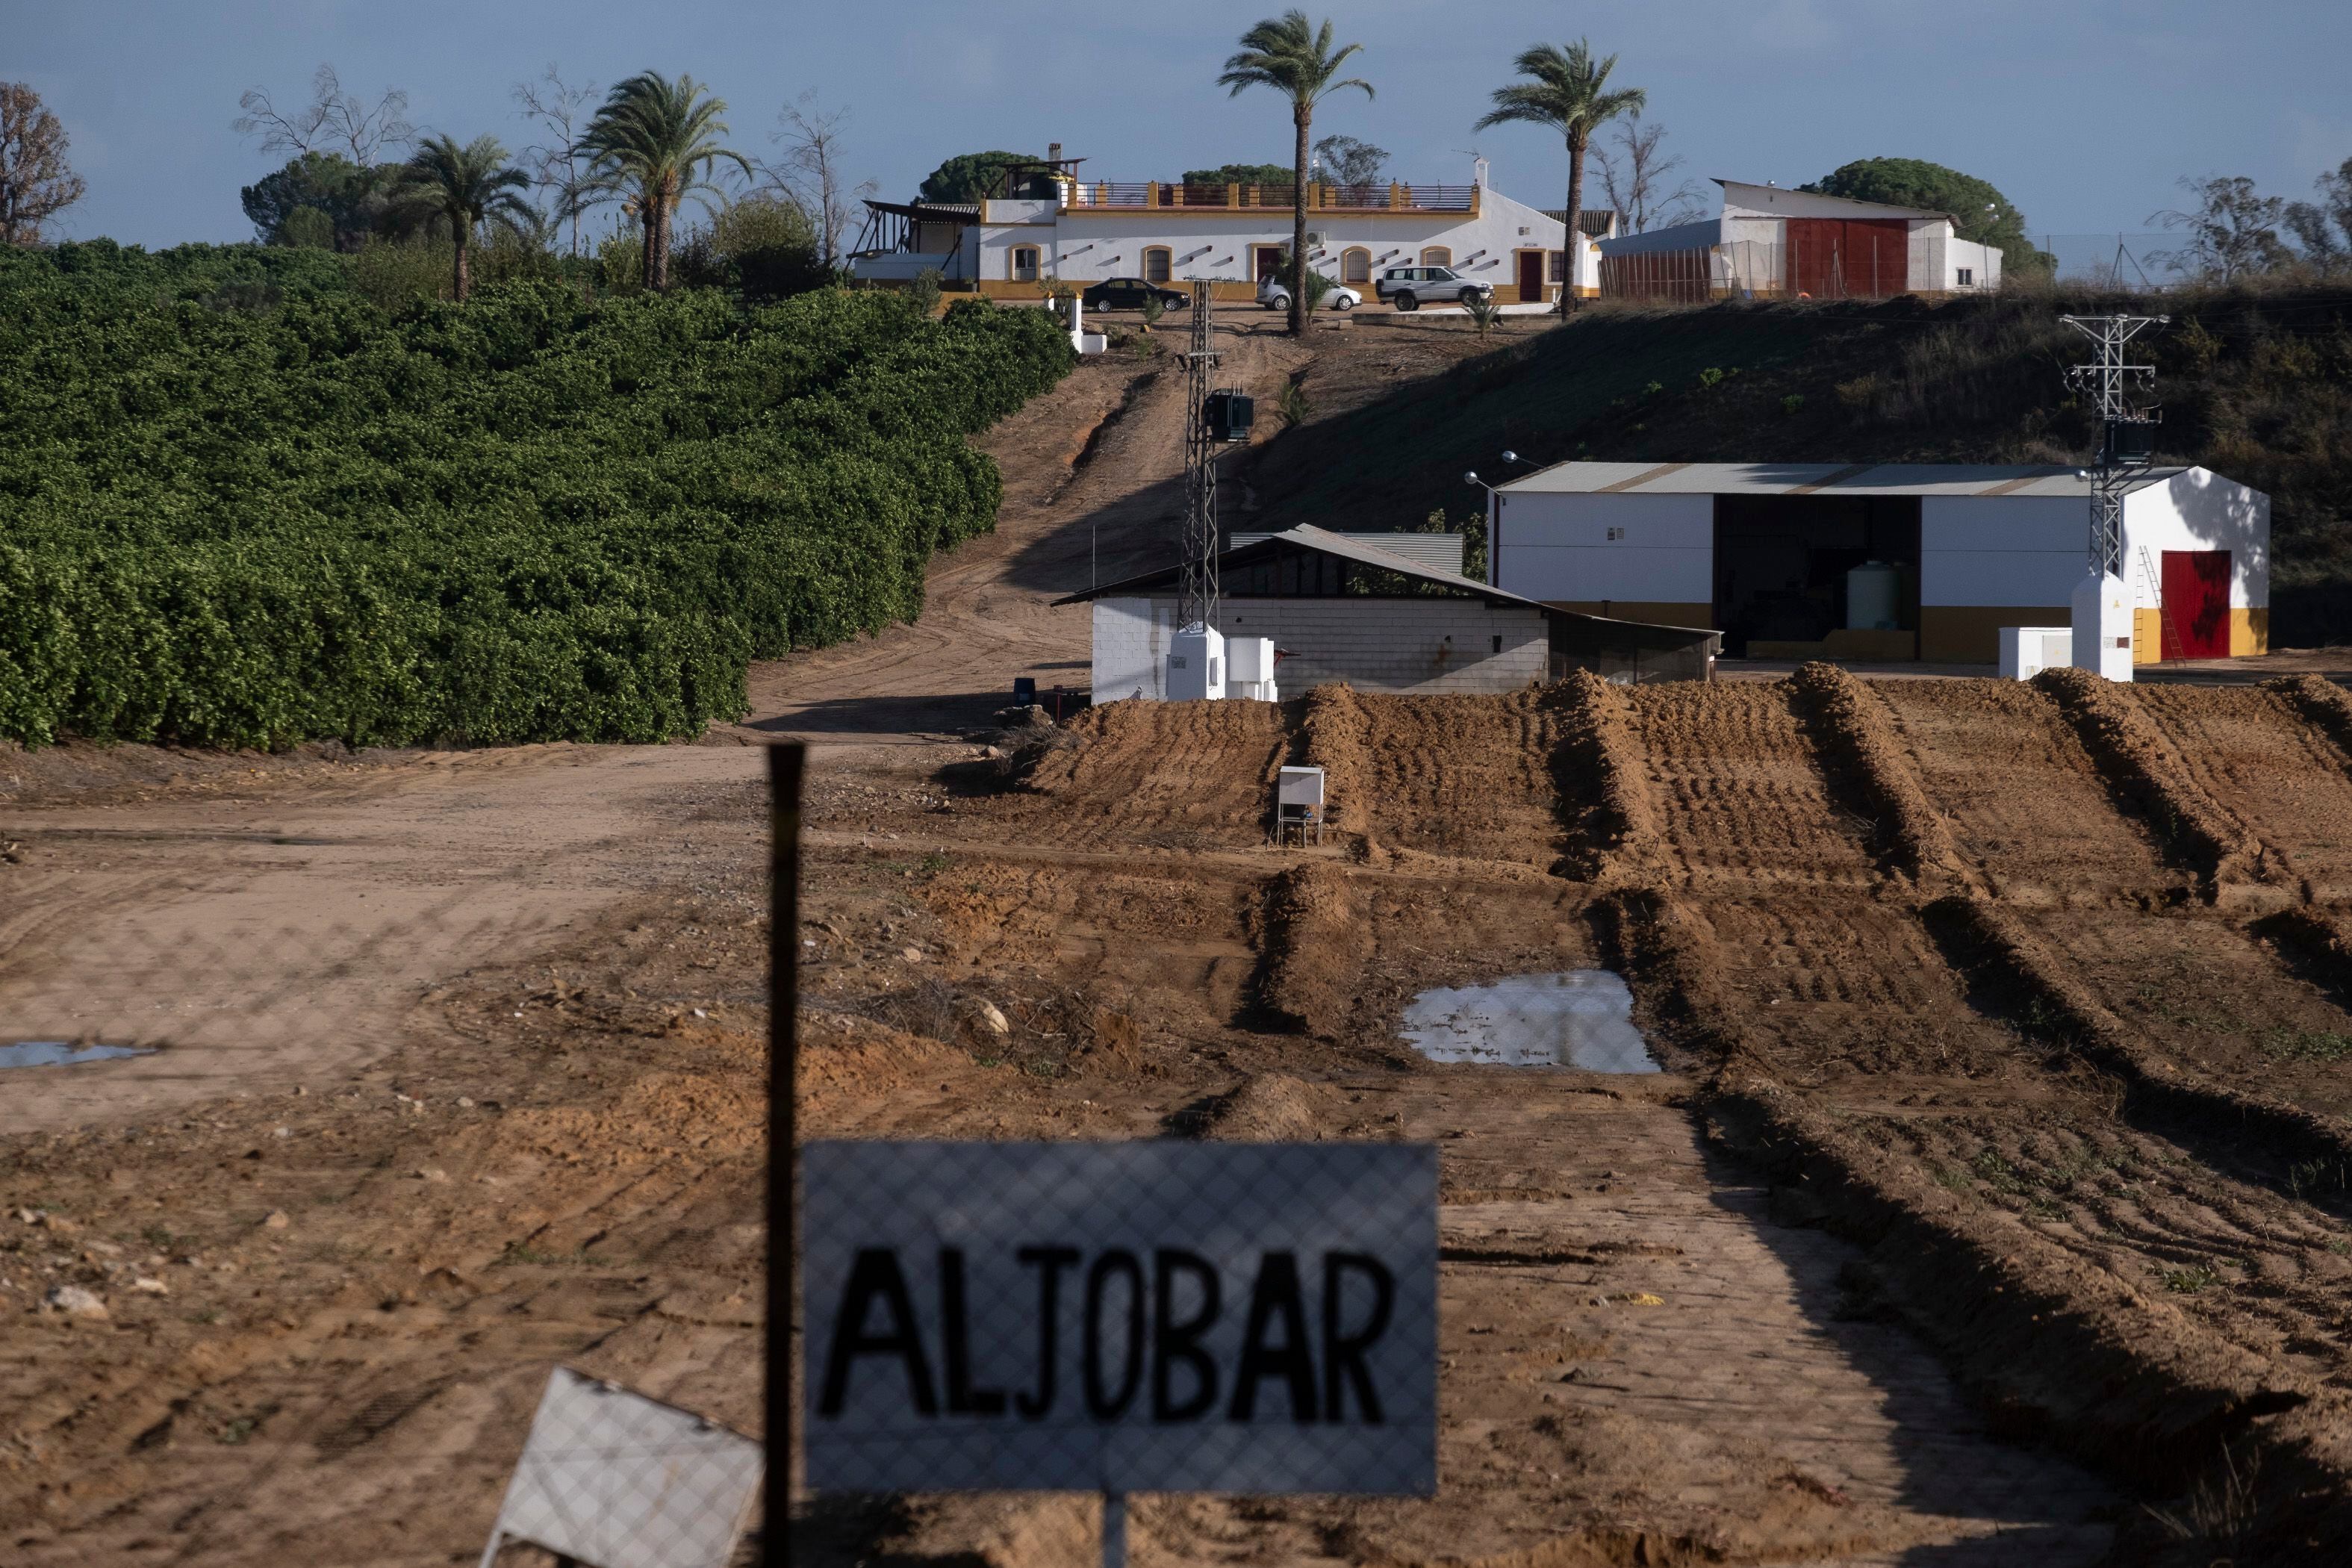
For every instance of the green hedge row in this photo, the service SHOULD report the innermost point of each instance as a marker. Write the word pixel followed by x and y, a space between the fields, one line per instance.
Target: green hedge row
pixel 239 506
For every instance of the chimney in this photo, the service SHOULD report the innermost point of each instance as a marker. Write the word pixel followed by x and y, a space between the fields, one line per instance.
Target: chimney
pixel 1053 152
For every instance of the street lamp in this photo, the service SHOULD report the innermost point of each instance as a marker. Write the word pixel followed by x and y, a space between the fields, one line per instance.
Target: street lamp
pixel 1493 520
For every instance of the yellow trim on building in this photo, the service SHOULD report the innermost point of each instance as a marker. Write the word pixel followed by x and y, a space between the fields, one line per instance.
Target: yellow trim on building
pixel 2250 631
pixel 1970 634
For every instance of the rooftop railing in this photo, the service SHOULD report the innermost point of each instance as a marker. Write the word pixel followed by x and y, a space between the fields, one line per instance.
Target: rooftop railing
pixel 1380 197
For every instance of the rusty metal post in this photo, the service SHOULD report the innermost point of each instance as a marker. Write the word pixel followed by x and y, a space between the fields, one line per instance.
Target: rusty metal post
pixel 787 764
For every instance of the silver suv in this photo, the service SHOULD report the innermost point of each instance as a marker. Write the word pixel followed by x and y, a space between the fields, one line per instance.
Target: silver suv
pixel 1409 288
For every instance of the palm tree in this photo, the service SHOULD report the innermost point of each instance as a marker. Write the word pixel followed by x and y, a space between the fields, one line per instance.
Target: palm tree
pixel 1290 54
pixel 1568 95
pixel 469 186
pixel 653 142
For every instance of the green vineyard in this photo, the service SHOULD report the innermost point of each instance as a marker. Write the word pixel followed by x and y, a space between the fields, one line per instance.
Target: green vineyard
pixel 241 506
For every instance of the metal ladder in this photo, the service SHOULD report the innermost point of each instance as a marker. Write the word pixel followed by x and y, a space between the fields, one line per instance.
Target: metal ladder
pixel 2168 644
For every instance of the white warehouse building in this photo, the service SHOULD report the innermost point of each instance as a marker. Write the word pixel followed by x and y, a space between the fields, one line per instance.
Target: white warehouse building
pixel 1778 243
pixel 1767 553
pixel 1168 232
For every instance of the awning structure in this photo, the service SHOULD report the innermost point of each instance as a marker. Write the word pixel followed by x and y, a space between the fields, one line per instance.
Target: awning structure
pixel 1307 561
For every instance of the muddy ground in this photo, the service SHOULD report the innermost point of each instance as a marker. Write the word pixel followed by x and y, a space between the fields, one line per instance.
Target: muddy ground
pixel 1991 1207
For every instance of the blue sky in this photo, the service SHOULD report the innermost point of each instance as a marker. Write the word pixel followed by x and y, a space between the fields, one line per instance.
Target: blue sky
pixel 2083 112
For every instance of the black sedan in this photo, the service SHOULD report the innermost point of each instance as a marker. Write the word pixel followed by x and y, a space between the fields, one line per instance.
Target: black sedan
pixel 1129 293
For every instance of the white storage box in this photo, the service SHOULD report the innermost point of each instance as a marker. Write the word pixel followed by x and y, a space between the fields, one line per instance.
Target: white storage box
pixel 2027 652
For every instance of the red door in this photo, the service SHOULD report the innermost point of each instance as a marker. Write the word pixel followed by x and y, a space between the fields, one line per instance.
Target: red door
pixel 1814 245
pixel 1269 262
pixel 1849 259
pixel 2196 604
pixel 1877 253
pixel 1531 277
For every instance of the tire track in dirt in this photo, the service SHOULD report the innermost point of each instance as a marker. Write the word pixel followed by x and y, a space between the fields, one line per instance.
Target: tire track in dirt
pixel 1854 735
pixel 1175 947
pixel 1597 771
pixel 2018 976
pixel 2056 1345
pixel 1333 730
pixel 1171 775
pixel 2252 1266
pixel 1468 778
pixel 1318 939
pixel 2198 1002
pixel 2142 767
pixel 1740 795
pixel 1765 986
pixel 2285 779
pixel 1798 933
pixel 2028 813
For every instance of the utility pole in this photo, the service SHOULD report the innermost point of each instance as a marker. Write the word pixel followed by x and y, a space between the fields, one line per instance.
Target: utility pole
pixel 2102 604
pixel 2127 433
pixel 1196 603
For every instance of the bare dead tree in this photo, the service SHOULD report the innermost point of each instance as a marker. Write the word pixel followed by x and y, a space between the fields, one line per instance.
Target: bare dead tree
pixel 1633 175
pixel 558 169
pixel 35 184
pixel 333 120
pixel 812 174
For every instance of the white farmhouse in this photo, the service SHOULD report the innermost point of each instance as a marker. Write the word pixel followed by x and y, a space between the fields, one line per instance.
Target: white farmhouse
pixel 1794 244
pixel 1168 232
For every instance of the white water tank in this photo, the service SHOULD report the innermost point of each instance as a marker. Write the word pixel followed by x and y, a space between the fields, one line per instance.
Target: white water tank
pixel 1196 665
pixel 1874 597
pixel 2103 625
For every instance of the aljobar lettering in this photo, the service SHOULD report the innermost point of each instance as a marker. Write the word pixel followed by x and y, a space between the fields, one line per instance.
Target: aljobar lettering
pixel 1145 1327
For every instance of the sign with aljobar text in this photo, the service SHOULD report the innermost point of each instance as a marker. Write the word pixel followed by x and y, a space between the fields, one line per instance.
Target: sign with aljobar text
pixel 1149 1315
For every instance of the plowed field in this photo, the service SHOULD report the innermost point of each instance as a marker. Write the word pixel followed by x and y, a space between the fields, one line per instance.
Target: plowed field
pixel 1951 961
pixel 1994 1205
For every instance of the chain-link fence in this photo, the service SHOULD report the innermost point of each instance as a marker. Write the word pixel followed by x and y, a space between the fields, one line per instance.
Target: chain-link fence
pixel 442 1234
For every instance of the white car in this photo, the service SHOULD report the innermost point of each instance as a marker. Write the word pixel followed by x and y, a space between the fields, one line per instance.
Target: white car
pixel 1275 295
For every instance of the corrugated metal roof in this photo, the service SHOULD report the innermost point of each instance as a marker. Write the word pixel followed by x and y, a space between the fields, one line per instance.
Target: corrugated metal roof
pixel 1818 479
pixel 1438 551
pixel 1308 536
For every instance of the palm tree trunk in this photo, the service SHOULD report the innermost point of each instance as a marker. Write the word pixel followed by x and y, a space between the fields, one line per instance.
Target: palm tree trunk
pixel 661 239
pixel 465 277
pixel 1300 116
pixel 646 248
pixel 1575 235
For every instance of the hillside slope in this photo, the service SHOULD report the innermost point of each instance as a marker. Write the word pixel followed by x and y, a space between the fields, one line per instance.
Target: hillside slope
pixel 2255 386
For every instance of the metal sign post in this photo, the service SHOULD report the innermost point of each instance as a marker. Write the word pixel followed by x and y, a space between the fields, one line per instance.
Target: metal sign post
pixel 1116 1318
pixel 787 765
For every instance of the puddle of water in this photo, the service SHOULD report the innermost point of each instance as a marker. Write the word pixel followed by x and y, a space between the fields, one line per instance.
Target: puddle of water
pixel 1579 1017
pixel 57 1053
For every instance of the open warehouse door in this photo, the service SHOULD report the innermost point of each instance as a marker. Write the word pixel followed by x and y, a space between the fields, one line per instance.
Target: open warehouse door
pixel 1786 582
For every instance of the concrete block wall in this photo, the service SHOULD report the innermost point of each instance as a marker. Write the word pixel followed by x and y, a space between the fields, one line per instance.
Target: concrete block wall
pixel 1130 648
pixel 1397 644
